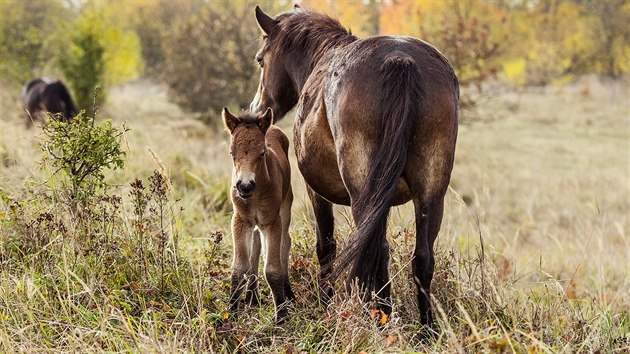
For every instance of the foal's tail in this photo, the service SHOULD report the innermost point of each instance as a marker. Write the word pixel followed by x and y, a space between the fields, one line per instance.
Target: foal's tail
pixel 366 256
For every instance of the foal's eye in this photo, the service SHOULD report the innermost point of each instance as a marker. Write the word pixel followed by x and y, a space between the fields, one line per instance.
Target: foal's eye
pixel 262 153
pixel 260 60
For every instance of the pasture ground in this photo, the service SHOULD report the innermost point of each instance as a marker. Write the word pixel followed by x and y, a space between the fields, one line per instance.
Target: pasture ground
pixel 532 255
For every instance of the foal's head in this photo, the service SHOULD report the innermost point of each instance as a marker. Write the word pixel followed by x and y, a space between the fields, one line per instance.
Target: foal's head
pixel 247 147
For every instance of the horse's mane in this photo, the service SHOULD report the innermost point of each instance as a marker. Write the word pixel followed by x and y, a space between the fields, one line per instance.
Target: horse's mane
pixel 247 117
pixel 311 33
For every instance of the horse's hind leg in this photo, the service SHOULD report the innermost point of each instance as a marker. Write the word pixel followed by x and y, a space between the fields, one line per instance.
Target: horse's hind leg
pixel 285 215
pixel 326 244
pixel 242 233
pixel 428 221
pixel 252 297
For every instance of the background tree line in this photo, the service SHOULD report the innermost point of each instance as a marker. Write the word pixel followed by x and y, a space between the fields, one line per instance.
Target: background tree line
pixel 203 50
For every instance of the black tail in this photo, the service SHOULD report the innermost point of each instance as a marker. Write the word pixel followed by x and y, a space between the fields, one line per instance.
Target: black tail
pixel 401 105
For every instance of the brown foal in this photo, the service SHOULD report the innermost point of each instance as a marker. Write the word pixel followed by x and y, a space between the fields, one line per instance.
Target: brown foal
pixel 261 197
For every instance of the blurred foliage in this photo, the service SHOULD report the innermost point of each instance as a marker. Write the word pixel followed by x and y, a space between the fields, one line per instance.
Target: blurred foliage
pixel 83 66
pixel 526 42
pixel 209 58
pixel 202 50
pixel 28 38
pixel 121 46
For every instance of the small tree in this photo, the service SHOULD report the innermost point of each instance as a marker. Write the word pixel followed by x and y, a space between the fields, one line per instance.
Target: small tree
pixel 83 66
pixel 81 150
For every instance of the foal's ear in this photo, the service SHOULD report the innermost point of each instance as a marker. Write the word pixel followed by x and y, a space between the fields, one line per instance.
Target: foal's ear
pixel 266 23
pixel 229 120
pixel 265 120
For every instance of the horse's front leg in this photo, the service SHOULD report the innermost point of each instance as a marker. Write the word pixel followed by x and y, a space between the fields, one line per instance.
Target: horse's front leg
pixel 326 244
pixel 276 273
pixel 252 297
pixel 242 232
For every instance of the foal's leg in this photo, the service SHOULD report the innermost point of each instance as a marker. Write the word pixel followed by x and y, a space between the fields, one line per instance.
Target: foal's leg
pixel 428 221
pixel 252 297
pixel 275 274
pixel 242 233
pixel 326 244
pixel 285 215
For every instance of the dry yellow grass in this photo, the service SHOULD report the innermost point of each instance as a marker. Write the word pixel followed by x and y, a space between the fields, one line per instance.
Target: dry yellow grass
pixel 545 185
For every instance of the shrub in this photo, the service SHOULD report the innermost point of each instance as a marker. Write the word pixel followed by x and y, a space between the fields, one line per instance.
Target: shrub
pixel 81 150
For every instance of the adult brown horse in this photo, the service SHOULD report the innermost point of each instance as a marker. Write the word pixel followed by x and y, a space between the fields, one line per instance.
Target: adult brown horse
pixel 376 126
pixel 42 95
pixel 262 197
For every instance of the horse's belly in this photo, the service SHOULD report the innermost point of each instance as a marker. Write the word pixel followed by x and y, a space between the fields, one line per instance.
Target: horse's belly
pixel 317 159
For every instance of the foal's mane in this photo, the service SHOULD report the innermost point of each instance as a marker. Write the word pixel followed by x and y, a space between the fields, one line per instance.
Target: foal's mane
pixel 247 117
pixel 312 33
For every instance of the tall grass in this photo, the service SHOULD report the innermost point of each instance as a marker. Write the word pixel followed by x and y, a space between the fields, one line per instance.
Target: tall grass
pixel 531 257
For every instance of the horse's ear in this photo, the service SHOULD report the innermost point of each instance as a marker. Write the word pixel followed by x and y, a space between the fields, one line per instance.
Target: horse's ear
pixel 229 120
pixel 265 120
pixel 266 23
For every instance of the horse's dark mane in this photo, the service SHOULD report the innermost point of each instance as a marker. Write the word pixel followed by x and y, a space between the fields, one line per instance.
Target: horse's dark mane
pixel 312 33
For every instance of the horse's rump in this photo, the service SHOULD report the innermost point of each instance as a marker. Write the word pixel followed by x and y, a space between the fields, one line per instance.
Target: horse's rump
pixel 42 95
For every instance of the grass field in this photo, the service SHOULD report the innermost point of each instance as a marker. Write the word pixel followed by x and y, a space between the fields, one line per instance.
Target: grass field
pixel 532 256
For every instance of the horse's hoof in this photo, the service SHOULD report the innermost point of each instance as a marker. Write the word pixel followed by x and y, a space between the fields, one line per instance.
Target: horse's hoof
pixel 326 294
pixel 289 294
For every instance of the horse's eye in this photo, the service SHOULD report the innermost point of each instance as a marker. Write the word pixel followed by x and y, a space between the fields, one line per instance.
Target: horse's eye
pixel 262 153
pixel 260 60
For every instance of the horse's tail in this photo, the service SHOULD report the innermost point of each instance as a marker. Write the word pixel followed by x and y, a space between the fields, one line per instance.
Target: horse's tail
pixel 401 90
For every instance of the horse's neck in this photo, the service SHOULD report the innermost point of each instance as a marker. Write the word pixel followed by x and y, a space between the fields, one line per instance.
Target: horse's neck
pixel 305 69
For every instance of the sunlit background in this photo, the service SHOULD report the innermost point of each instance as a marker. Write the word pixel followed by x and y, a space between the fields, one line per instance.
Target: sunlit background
pixel 534 246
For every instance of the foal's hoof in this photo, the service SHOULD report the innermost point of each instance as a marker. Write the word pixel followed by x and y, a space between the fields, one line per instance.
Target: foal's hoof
pixel 282 317
pixel 253 299
pixel 426 334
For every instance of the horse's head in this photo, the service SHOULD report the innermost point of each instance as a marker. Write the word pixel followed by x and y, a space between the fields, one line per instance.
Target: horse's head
pixel 247 147
pixel 277 89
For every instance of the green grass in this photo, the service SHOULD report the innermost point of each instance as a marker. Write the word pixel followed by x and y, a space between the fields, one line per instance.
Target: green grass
pixel 532 255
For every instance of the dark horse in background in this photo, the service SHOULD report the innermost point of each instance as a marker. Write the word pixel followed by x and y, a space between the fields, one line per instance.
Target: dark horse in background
pixel 41 95
pixel 376 126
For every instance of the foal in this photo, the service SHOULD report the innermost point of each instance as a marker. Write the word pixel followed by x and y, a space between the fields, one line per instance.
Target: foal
pixel 261 197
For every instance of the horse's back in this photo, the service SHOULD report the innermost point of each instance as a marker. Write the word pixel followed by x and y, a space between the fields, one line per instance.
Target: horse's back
pixel 361 65
pixel 361 91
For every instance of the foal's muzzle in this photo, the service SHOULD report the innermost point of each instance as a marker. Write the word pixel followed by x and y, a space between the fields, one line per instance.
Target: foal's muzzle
pixel 245 189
